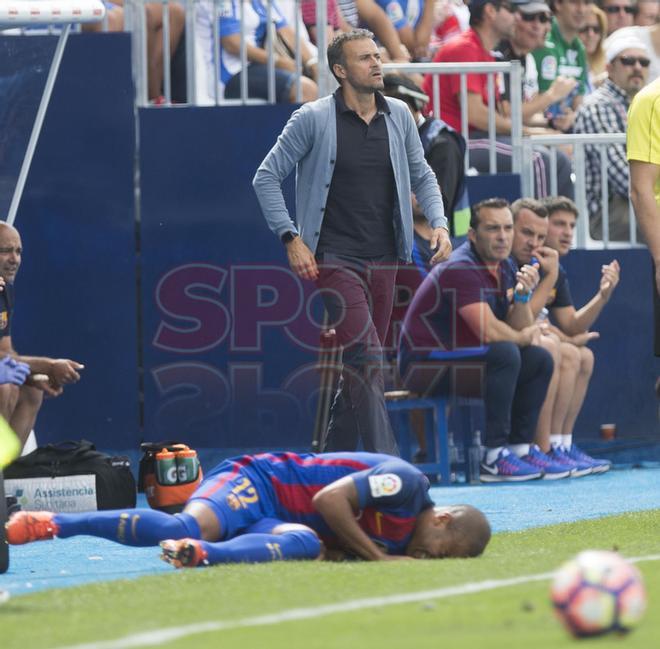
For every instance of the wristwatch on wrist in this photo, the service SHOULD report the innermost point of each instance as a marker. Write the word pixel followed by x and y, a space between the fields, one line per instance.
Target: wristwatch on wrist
pixel 287 237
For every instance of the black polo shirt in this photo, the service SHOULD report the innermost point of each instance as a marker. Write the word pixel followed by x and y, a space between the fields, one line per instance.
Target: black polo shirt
pixel 359 213
pixel 560 295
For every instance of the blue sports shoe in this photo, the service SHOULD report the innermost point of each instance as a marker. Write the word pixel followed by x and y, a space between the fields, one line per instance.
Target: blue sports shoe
pixel 597 465
pixel 508 467
pixel 559 455
pixel 551 470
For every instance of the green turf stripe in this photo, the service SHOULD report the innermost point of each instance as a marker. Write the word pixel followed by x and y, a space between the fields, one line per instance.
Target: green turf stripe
pixel 161 636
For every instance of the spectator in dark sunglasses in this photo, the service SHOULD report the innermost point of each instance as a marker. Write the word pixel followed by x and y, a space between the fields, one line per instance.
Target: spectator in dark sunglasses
pixel 605 111
pixel 650 36
pixel 490 23
pixel 592 36
pixel 620 13
pixel 529 32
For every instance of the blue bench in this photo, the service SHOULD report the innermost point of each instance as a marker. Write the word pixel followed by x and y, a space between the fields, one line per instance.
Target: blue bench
pixel 399 403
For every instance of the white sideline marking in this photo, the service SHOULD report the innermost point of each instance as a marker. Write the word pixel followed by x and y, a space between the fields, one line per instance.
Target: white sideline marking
pixel 161 636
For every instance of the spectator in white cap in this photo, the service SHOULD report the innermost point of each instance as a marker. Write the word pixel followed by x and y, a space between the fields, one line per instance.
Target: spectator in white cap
pixel 650 36
pixel 605 111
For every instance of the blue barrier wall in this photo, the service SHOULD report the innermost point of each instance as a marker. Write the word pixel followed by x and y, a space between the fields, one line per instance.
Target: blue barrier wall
pixel 24 65
pixel 75 292
pixel 229 333
pixel 225 338
pixel 622 388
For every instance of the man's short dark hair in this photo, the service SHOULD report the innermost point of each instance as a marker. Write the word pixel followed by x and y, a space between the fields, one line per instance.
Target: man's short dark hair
pixel 477 11
pixel 492 203
pixel 336 47
pixel 530 204
pixel 560 204
pixel 476 15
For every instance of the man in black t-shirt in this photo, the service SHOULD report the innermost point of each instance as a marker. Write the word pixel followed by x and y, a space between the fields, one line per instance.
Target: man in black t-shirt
pixel 574 324
pixel 572 359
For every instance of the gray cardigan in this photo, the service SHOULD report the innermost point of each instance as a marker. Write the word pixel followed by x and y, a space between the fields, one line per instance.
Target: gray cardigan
pixel 309 140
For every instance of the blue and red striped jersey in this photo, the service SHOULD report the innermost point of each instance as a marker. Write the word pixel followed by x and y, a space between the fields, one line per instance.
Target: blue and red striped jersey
pixel 391 492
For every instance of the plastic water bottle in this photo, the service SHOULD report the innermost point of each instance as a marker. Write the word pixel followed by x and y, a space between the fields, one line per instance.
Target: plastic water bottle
pixel 187 465
pixel 453 456
pixel 474 458
pixel 166 470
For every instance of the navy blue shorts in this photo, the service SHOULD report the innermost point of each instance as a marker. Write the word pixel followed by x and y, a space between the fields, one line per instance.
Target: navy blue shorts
pixel 257 75
pixel 234 500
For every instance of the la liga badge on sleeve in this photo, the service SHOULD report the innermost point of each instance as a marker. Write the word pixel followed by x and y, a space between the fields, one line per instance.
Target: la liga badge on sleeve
pixel 386 484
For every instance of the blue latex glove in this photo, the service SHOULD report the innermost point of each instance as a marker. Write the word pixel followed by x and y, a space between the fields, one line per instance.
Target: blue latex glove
pixel 13 371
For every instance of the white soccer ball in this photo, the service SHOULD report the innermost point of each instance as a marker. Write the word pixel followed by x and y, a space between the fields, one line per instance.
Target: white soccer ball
pixel 598 592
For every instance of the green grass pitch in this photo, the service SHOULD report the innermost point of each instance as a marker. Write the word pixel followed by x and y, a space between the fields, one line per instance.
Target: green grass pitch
pixel 230 596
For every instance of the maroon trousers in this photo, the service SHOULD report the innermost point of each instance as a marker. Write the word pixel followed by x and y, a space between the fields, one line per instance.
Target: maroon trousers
pixel 358 295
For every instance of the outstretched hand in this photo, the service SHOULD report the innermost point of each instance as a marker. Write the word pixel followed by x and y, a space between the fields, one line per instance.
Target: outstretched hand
pixel 609 279
pixel 63 371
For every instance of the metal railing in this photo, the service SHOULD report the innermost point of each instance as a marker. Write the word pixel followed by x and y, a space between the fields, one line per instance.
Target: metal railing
pixel 523 148
pixel 492 70
pixel 579 142
pixel 202 29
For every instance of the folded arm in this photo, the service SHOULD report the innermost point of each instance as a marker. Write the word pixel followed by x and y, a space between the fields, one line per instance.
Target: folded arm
pixel 338 505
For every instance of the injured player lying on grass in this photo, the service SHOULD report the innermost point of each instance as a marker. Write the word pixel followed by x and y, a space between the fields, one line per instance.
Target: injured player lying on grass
pixel 278 506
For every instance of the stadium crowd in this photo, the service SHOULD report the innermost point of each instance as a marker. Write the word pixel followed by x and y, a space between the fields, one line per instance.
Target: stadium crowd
pixel 582 63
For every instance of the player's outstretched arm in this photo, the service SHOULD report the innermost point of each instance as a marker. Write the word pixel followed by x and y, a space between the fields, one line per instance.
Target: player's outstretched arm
pixel 338 504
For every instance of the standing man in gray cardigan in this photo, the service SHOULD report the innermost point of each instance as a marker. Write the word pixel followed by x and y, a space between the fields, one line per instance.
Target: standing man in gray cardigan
pixel 357 157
